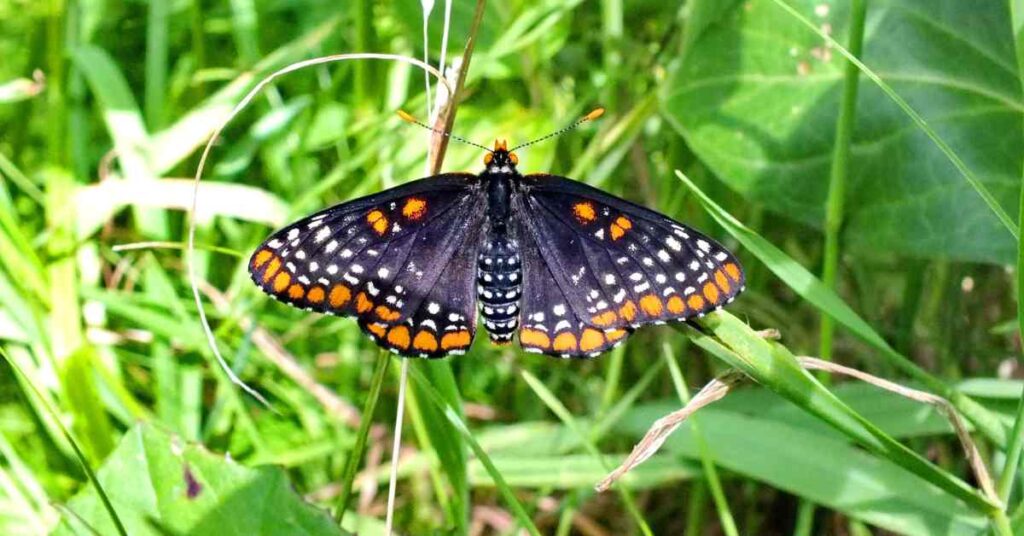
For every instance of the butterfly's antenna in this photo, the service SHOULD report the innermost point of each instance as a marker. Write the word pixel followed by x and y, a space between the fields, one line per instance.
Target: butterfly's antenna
pixel 410 119
pixel 597 112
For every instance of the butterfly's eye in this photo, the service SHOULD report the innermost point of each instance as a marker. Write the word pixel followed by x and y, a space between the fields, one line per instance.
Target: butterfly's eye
pixel 513 158
pixel 487 159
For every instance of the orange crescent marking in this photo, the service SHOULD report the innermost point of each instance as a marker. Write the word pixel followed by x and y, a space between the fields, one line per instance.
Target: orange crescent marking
pixel 733 271
pixel 711 292
pixel 340 295
pixel 316 295
pixel 676 305
pixel 651 305
pixel 695 302
pixel 377 329
pixel 615 334
pixel 399 337
pixel 261 258
pixel 296 291
pixel 363 303
pixel 722 281
pixel 535 338
pixel 591 340
pixel 604 319
pixel 281 281
pixel 425 341
pixel 564 342
pixel 628 311
pixel 455 339
pixel 272 268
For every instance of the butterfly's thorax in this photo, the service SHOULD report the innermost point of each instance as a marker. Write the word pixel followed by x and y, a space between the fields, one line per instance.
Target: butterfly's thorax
pixel 499 268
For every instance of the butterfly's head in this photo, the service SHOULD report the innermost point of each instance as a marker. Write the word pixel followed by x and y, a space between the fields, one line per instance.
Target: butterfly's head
pixel 501 160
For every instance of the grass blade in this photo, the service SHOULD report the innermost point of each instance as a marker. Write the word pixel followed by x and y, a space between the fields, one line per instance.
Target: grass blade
pixel 825 299
pixel 456 421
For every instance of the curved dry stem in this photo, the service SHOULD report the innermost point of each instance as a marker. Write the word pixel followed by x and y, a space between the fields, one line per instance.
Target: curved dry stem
pixel 190 258
pixel 944 407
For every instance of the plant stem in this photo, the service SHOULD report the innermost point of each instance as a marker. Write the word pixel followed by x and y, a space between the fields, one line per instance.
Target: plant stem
pixel 840 170
pixel 706 457
pixel 354 457
pixel 1016 440
pixel 397 447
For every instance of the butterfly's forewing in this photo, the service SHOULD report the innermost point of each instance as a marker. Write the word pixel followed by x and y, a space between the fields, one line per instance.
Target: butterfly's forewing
pixel 380 258
pixel 615 266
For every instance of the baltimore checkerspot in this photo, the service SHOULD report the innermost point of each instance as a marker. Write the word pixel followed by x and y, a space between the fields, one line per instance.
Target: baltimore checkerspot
pixel 570 268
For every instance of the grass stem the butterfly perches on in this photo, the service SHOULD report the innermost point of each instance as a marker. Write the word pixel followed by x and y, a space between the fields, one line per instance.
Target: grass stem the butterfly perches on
pixel 571 269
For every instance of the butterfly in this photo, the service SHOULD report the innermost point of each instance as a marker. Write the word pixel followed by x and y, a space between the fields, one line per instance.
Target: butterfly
pixel 571 270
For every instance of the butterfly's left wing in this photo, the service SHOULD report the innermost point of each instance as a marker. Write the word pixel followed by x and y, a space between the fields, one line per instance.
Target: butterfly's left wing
pixel 598 266
pixel 395 260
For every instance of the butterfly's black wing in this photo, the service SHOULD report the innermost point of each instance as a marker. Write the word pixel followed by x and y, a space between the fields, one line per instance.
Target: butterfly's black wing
pixel 597 266
pixel 396 260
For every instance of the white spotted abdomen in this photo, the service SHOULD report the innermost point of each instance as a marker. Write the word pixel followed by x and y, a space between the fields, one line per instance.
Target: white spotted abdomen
pixel 499 281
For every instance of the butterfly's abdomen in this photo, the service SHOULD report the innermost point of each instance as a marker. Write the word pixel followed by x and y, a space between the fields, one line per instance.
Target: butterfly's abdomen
pixel 499 281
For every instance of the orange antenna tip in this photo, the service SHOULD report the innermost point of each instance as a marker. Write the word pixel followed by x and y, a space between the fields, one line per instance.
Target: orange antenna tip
pixel 405 116
pixel 598 112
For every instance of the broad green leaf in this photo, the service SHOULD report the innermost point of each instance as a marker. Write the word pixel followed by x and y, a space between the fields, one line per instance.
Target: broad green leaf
pixel 757 99
pixel 160 485
pixel 820 467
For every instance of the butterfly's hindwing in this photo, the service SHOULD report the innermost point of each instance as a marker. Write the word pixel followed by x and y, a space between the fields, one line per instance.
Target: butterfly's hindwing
pixel 616 265
pixel 378 258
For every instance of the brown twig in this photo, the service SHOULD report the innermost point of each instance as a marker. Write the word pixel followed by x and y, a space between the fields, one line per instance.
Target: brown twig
pixel 446 117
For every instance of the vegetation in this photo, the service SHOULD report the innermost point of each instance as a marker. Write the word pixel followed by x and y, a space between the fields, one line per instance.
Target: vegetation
pixel 872 202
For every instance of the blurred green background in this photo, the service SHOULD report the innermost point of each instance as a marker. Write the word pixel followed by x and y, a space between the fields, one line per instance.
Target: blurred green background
pixel 105 106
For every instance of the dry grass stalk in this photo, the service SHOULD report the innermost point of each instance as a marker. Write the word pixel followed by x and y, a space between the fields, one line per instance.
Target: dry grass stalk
pixel 714 391
pixel 941 404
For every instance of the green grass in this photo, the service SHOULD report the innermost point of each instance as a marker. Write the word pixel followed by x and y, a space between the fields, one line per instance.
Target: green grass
pixel 730 116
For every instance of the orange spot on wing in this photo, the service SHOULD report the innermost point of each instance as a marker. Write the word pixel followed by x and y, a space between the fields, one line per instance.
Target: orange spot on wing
pixel 651 305
pixel 695 302
pixel 564 342
pixel 377 329
pixel 591 339
pixel 414 208
pixel 616 231
pixel 604 319
pixel 261 258
pixel 615 334
pixel 296 291
pixel 272 268
pixel 584 212
pixel 676 305
pixel 398 337
pixel 425 341
pixel 281 281
pixel 363 304
pixel 733 271
pixel 624 222
pixel 711 292
pixel 628 310
pixel 378 221
pixel 316 295
pixel 455 339
pixel 386 313
pixel 340 295
pixel 535 338
pixel 722 280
